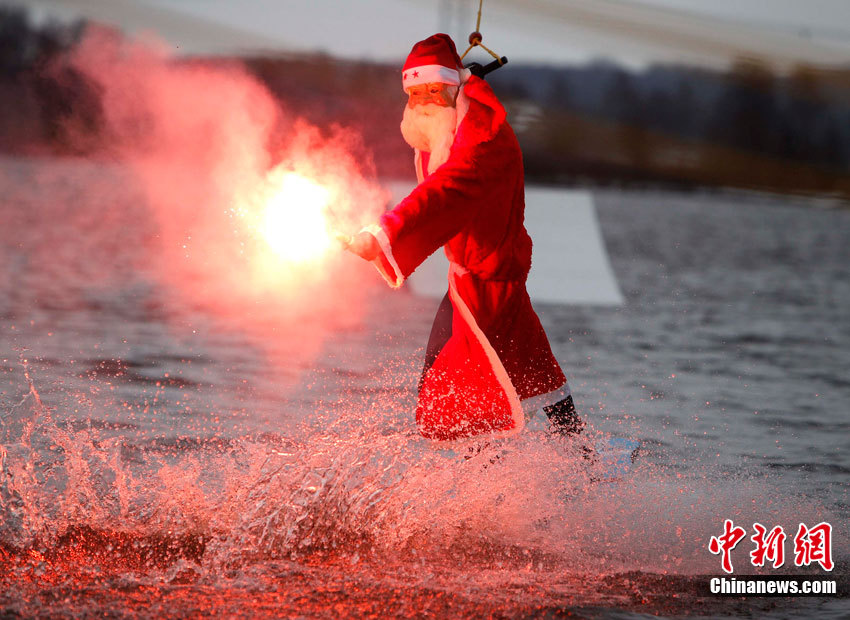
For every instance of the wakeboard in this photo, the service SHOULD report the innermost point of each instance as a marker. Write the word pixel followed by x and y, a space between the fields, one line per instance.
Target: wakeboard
pixel 615 458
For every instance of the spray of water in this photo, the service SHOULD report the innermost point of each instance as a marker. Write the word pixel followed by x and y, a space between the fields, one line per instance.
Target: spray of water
pixel 528 519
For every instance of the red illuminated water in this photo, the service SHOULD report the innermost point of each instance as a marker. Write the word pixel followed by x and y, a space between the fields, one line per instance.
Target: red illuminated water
pixel 162 457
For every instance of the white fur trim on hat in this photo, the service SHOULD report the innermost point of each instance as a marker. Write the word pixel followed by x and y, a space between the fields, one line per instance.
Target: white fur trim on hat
pixel 427 74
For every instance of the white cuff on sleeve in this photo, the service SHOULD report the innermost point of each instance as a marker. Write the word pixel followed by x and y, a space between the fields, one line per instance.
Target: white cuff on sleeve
pixel 396 278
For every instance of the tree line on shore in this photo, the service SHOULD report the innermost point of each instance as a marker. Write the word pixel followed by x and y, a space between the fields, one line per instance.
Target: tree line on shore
pixel 600 123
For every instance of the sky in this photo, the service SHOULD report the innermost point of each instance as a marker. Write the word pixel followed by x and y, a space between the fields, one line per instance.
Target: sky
pixel 634 33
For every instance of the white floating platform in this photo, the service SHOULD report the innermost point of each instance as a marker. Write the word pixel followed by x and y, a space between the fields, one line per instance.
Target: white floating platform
pixel 569 262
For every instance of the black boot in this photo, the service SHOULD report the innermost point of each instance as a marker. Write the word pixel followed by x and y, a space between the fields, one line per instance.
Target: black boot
pixel 566 423
pixel 564 417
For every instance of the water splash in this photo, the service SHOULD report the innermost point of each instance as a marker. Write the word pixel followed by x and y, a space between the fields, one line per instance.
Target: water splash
pixel 352 498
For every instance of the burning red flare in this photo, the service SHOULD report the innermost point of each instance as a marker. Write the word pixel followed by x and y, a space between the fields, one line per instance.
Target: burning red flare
pixel 295 217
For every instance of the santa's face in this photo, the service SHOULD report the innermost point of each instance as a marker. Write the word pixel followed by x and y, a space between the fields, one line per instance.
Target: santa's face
pixel 435 93
pixel 430 118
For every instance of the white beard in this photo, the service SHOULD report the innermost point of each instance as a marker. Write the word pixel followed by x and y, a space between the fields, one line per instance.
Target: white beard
pixel 430 128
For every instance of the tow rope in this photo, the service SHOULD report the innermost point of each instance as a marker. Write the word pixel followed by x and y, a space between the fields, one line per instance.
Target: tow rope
pixel 475 40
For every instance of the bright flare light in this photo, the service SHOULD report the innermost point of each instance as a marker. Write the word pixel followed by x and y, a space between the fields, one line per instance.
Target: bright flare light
pixel 295 223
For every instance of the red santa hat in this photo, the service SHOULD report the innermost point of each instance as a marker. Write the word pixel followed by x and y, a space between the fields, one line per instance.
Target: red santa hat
pixel 433 60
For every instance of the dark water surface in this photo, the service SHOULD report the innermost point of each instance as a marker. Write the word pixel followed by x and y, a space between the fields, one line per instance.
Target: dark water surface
pixel 160 458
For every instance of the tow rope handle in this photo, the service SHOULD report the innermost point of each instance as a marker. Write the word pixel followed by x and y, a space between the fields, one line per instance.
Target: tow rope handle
pixel 479 70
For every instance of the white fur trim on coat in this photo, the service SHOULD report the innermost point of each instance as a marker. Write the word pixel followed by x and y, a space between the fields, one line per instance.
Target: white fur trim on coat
pixel 534 405
pixel 456 271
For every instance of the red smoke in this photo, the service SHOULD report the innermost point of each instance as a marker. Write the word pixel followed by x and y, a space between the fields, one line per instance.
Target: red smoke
pixel 198 138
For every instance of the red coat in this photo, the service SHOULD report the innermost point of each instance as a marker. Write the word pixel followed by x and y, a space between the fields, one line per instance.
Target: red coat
pixel 497 362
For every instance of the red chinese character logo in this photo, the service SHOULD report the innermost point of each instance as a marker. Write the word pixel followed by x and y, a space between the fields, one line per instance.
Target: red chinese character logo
pixel 814 545
pixel 770 547
pixel 724 544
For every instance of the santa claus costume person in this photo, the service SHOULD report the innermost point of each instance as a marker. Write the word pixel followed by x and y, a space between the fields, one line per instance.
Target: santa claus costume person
pixel 488 364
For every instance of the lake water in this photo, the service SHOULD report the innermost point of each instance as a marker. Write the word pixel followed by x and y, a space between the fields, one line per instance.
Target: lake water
pixel 162 456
